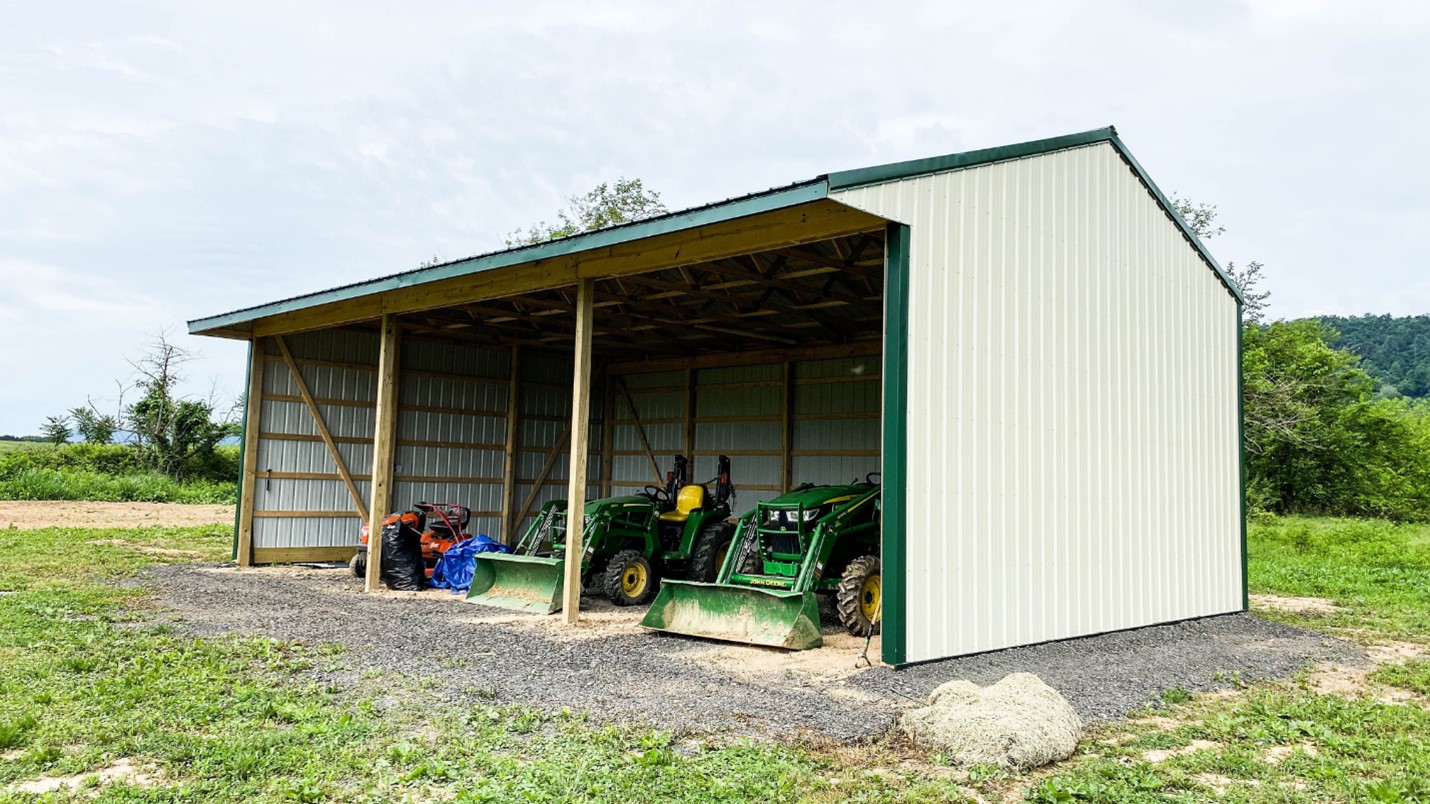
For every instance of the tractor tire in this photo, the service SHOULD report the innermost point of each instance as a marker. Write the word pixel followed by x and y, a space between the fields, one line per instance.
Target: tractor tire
pixel 358 565
pixel 858 596
pixel 711 546
pixel 630 579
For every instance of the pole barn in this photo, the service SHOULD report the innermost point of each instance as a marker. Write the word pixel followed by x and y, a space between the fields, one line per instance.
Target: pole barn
pixel 1027 343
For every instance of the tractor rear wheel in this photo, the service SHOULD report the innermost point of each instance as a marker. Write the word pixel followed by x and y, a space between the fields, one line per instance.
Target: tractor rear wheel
pixel 711 546
pixel 630 579
pixel 358 565
pixel 858 596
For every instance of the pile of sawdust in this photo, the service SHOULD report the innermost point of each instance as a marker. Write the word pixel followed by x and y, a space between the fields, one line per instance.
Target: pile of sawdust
pixel 1019 723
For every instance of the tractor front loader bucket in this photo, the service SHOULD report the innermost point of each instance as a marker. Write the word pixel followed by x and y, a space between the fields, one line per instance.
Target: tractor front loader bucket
pixel 524 583
pixel 777 618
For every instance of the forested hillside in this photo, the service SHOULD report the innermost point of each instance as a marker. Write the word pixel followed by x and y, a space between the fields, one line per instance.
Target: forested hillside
pixel 1396 351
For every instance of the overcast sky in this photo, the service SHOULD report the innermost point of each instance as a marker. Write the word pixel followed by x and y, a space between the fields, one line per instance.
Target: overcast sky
pixel 167 161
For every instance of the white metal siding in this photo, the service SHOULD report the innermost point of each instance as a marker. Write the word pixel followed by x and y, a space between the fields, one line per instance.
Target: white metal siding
pixel 1072 407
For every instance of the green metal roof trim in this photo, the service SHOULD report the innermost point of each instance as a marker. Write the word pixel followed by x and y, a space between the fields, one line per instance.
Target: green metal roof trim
pixel 753 204
pixel 895 171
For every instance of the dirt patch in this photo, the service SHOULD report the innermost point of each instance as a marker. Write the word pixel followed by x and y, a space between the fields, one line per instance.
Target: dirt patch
pixel 125 771
pixel 1221 784
pixel 1295 605
pixel 162 552
pixel 34 514
pixel 1353 682
pixel 1277 754
pixel 1162 755
pixel 838 659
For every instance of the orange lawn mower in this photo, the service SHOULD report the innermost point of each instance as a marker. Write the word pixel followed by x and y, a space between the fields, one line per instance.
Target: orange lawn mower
pixel 442 525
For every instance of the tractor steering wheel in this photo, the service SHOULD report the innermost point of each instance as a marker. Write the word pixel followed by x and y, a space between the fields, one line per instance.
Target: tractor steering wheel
pixel 656 494
pixel 869 478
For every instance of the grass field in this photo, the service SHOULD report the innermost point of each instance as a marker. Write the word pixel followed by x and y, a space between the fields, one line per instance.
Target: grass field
pixel 92 696
pixel 10 446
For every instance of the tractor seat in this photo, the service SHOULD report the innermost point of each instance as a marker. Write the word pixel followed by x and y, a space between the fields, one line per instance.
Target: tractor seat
pixel 691 498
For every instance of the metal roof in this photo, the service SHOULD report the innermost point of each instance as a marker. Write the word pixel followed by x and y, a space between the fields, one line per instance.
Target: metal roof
pixel 765 201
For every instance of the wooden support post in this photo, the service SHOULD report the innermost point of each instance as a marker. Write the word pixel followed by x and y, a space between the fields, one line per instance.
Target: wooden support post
pixel 322 425
pixel 384 448
pixel 608 432
pixel 787 429
pixel 253 406
pixel 513 410
pixel 580 439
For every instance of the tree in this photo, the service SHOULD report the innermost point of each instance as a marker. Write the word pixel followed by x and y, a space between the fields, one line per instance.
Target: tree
pixel 1318 441
pixel 174 433
pixel 56 429
pixel 1202 220
pixel 624 201
pixel 94 427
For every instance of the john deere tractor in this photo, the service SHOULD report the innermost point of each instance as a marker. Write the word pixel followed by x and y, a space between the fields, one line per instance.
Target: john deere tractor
pixel 631 542
pixel 812 540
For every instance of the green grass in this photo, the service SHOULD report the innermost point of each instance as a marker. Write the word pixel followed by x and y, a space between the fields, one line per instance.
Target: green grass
pixel 1377 573
pixel 1413 675
pixel 84 682
pixel 112 472
pixel 12 446
pixel 78 484
pixel 1284 741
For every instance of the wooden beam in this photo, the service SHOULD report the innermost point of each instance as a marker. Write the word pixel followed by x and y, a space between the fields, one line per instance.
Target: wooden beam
pixel 253 406
pixel 580 441
pixel 865 348
pixel 640 430
pixel 384 449
pixel 321 424
pixel 305 514
pixel 290 555
pixel 513 410
pixel 817 220
pixel 541 478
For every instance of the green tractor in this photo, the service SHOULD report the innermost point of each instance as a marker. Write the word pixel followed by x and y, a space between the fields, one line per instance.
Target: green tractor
pixel 631 541
pixel 814 539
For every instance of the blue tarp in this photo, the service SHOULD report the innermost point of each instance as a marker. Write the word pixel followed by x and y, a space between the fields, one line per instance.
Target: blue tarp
pixel 455 567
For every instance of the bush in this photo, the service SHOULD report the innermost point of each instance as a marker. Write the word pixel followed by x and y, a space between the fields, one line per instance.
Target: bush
pixel 79 484
pixel 116 460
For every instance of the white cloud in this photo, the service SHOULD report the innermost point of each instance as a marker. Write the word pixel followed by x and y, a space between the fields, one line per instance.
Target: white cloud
pixel 216 157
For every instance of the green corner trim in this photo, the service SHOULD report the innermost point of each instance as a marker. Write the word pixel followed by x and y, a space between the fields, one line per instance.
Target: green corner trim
pixel 896 445
pixel 1241 455
pixel 242 445
pixel 802 193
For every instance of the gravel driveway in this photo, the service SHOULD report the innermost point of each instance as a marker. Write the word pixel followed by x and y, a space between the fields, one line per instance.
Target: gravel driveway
pixel 612 669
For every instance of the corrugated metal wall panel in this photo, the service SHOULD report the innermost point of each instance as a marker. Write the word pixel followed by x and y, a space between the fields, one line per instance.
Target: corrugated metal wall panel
pixel 1073 444
pixel 738 411
pixel 335 365
pixel 422 355
pixel 307 531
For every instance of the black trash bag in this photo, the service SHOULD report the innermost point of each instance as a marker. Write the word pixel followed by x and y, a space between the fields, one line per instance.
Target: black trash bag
pixel 402 566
